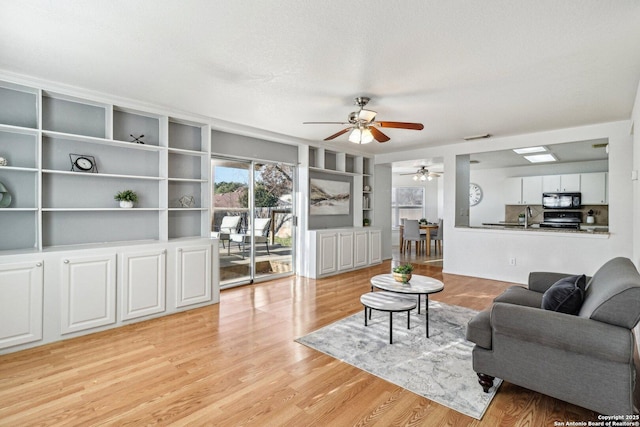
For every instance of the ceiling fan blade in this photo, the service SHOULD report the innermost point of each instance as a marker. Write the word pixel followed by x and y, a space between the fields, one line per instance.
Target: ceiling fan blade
pixel 401 125
pixel 379 136
pixel 326 123
pixel 337 134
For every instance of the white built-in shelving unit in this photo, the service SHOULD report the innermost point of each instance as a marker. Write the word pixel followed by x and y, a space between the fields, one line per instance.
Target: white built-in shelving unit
pixel 53 206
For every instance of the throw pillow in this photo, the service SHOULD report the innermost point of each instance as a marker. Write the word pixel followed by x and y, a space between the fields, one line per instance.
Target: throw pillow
pixel 566 295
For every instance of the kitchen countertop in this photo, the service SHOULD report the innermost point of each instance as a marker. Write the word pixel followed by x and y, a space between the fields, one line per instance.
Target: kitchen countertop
pixel 584 229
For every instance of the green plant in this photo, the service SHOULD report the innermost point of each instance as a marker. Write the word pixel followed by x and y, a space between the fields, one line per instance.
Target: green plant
pixel 126 195
pixel 403 269
pixel 366 222
pixel 423 221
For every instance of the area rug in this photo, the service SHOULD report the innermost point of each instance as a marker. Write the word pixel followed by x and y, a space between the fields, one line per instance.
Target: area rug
pixel 438 368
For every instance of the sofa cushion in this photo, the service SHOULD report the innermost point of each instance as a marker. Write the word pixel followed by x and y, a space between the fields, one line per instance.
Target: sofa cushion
pixel 520 296
pixel 613 294
pixel 479 329
pixel 566 295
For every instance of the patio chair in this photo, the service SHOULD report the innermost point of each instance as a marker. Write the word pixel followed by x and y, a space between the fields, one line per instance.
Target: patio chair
pixel 260 235
pixel 228 226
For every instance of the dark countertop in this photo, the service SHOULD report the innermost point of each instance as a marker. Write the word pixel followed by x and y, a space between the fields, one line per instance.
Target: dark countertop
pixel 591 229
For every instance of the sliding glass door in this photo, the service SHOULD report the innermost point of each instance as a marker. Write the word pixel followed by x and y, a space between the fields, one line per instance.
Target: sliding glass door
pixel 252 205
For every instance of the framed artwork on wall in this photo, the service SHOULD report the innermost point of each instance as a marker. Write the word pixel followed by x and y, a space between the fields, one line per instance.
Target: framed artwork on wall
pixel 329 197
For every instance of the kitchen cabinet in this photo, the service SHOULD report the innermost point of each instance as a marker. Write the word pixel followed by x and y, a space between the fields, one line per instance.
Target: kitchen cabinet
pixel 594 188
pixel 531 190
pixel 512 191
pixel 561 183
pixel 142 284
pixel 327 253
pixel 21 303
pixel 88 294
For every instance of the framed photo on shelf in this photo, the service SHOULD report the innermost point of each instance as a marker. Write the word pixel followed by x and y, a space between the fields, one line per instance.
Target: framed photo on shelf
pixel 83 163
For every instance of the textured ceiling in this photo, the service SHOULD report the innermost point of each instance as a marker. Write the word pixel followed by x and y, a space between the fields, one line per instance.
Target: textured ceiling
pixel 460 67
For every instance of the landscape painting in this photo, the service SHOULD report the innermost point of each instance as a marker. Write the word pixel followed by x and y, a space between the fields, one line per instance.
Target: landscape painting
pixel 329 197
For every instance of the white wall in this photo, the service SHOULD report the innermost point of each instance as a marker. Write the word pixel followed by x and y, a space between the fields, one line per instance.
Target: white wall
pixel 382 206
pixel 486 253
pixel 636 183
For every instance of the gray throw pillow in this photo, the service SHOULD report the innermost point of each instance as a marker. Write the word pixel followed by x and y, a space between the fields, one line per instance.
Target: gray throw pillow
pixel 566 295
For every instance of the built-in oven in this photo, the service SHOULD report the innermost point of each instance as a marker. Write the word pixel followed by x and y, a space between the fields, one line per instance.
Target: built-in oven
pixel 561 200
pixel 557 219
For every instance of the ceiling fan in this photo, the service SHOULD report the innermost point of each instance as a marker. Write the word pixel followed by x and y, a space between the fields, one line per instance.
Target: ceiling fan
pixel 363 127
pixel 423 174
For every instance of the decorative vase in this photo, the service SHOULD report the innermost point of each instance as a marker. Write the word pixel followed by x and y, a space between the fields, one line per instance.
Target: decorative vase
pixel 126 204
pixel 402 277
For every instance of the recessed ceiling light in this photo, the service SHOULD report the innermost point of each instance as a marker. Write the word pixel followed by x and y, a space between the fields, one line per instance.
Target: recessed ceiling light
pixel 529 150
pixel 541 158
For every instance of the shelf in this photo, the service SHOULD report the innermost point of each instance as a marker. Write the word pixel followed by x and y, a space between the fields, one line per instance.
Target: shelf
pixel 187 152
pixel 18 129
pixel 102 141
pixel 100 209
pixel 102 175
pixel 188 180
pixel 17 169
pixel 18 209
pixel 335 172
pixel 187 209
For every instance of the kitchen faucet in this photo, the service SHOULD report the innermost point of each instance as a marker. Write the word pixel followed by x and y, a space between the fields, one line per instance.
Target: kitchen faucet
pixel 527 214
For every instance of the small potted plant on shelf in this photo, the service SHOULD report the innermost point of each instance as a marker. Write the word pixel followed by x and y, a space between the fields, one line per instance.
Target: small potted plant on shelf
pixel 402 273
pixel 366 222
pixel 126 198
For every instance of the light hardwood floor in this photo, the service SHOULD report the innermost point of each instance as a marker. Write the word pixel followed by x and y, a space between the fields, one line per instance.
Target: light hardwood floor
pixel 236 364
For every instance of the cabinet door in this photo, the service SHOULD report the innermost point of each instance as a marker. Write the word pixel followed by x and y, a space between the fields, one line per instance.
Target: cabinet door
pixel 327 253
pixel 532 190
pixel 361 249
pixel 570 182
pixel 21 288
pixel 142 284
pixel 193 279
pixel 88 290
pixel 345 250
pixel 512 191
pixel 551 184
pixel 375 247
pixel 593 187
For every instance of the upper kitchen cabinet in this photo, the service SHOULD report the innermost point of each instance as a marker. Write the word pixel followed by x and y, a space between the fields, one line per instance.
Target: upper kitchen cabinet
pixel 594 188
pixel 561 183
pixel 523 191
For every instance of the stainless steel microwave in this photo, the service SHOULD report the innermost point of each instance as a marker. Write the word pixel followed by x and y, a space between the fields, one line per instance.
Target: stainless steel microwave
pixel 561 200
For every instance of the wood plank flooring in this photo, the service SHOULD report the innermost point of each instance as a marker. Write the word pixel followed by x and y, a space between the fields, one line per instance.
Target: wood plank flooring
pixel 236 364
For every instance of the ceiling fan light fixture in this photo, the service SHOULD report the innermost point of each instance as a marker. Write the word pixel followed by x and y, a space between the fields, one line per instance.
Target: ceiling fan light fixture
pixel 423 178
pixel 360 136
pixel 415 177
pixel 366 115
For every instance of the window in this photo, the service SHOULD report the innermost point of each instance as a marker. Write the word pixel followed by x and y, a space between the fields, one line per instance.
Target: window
pixel 406 202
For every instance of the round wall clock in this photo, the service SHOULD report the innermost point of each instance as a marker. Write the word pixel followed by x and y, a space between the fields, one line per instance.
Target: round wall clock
pixel 475 194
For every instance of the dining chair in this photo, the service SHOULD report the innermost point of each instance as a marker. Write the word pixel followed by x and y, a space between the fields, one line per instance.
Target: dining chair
pixel 436 236
pixel 412 234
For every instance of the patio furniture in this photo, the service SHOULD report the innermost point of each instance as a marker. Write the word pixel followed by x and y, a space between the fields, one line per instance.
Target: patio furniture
pixel 228 226
pixel 260 235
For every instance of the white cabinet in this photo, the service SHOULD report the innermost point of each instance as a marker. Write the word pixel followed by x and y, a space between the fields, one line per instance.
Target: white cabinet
pixel 327 253
pixel 532 190
pixel 193 275
pixel 512 191
pixel 345 250
pixel 88 294
pixel 341 250
pixel 21 303
pixel 561 183
pixel 142 284
pixel 375 247
pixel 594 188
pixel 360 249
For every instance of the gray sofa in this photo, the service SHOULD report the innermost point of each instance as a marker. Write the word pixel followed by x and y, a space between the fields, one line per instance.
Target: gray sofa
pixel 589 359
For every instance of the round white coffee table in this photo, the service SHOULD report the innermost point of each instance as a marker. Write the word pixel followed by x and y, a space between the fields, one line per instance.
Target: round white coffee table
pixel 418 285
pixel 389 302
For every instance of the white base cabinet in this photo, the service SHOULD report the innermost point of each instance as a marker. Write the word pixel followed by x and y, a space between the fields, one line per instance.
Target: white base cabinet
pixel 339 250
pixel 88 292
pixel 21 290
pixel 54 295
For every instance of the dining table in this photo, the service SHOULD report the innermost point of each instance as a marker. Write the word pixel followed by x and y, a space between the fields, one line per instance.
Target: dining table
pixel 427 227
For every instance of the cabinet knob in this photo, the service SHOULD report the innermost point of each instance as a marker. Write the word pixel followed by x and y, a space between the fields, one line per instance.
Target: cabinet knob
pixel 38 264
pixel 66 261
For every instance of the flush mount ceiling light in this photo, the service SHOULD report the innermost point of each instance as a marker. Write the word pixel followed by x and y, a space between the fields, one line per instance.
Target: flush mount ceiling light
pixel 529 150
pixel 541 158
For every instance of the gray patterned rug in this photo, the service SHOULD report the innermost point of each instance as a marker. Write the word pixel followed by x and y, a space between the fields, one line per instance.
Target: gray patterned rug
pixel 438 367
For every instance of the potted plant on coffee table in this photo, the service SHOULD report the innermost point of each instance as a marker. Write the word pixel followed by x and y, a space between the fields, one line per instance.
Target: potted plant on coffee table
pixel 402 273
pixel 126 198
